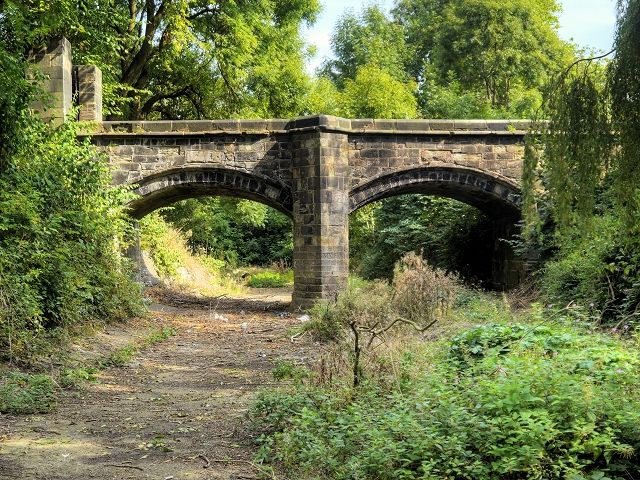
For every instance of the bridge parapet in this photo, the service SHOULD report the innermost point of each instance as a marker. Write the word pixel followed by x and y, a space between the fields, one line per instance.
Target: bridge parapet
pixel 328 123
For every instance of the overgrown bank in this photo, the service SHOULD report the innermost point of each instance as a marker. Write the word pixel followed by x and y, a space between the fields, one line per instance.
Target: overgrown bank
pixel 485 393
pixel 62 228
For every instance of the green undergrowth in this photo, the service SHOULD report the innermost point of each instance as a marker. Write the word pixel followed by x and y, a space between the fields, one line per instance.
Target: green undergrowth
pixel 271 279
pixel 540 394
pixel 25 393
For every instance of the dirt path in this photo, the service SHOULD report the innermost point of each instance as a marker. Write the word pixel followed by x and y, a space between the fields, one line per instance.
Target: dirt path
pixel 178 407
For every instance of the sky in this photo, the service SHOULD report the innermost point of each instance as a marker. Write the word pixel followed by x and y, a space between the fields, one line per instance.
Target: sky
pixel 588 23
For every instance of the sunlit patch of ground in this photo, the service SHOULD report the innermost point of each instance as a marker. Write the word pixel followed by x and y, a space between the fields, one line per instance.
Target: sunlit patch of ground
pixel 176 407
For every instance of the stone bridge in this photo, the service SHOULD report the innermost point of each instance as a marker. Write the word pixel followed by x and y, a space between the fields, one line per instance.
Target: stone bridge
pixel 315 169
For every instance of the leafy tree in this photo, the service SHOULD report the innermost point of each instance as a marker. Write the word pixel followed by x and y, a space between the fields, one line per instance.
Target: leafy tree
pixel 181 58
pixel 366 39
pixel 374 93
pixel 488 46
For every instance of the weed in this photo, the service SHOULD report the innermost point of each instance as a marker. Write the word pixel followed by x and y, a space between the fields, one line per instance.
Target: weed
pixel 285 370
pixel 124 355
pixel 158 336
pixel 529 401
pixel 118 358
pixel 73 378
pixel 24 393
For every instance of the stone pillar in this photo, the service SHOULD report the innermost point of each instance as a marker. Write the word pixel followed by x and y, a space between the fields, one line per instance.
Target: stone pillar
pixel 320 215
pixel 89 93
pixel 54 61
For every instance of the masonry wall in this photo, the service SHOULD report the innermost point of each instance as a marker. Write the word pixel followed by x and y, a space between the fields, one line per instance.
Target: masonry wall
pixel 55 66
pixel 320 216
pixel 318 168
pixel 372 155
pixel 137 157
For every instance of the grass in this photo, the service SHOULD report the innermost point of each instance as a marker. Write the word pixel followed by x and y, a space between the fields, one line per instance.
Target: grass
pixel 271 279
pixel 178 267
pixel 123 355
pixel 25 393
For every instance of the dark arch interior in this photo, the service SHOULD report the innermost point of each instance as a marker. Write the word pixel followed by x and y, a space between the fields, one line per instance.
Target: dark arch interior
pixel 484 255
pixel 494 196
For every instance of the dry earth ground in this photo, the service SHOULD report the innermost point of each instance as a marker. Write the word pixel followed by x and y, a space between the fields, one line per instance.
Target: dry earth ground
pixel 177 411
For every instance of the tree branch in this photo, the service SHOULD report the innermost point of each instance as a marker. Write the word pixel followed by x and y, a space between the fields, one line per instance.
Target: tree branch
pixel 204 11
pixel 149 104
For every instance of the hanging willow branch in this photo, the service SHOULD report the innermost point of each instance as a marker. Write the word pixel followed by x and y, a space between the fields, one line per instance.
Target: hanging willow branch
pixel 624 85
pixel 568 155
pixel 593 130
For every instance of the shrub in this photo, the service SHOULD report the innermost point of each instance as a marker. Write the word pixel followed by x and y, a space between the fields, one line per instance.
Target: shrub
pixel 62 224
pixel 74 377
pixel 422 294
pixel 556 404
pixel 22 393
pixel 364 317
pixel 597 270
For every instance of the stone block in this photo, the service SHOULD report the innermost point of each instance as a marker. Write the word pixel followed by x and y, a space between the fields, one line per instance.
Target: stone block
pixel 54 61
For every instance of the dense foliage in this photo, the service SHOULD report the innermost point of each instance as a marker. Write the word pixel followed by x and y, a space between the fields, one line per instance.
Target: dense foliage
pixel 540 399
pixel 450 234
pixel 181 58
pixel 581 175
pixel 61 223
pixel 59 260
pixel 238 232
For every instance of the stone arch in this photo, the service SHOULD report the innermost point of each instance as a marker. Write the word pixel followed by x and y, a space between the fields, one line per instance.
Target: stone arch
pixel 488 192
pixel 170 186
pixel 494 195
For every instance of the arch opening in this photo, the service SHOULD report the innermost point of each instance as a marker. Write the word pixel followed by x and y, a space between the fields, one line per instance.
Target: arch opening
pixel 230 229
pixel 496 196
pixel 461 219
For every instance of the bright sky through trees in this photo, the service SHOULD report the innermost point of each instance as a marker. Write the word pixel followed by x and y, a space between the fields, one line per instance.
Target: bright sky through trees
pixel 590 23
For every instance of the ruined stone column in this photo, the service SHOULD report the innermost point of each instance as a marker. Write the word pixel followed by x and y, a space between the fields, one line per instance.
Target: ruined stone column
pixel 89 93
pixel 54 61
pixel 320 213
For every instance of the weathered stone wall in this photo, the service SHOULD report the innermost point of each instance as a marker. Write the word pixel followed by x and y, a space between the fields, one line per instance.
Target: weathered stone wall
pixel 89 93
pixel 54 63
pixel 320 215
pixel 375 155
pixel 317 170
pixel 139 156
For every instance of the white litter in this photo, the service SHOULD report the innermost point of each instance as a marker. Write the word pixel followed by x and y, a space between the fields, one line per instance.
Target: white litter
pixel 220 317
